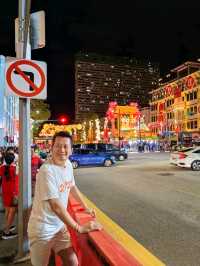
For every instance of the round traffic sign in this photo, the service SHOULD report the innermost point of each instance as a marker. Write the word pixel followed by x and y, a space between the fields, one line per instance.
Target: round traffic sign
pixel 16 67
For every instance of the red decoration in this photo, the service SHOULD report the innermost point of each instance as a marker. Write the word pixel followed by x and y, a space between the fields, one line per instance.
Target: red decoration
pixel 177 129
pixel 168 90
pixel 161 107
pixel 190 82
pixel 160 118
pixel 110 113
pixel 177 92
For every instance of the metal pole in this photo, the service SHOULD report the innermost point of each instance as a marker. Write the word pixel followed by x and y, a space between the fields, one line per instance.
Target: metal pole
pixel 24 139
pixel 26 29
pixel 119 129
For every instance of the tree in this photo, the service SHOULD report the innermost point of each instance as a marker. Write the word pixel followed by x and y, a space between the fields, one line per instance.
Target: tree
pixel 39 111
pixel 90 116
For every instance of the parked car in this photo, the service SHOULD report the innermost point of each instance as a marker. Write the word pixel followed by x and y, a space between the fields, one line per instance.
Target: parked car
pixel 119 154
pixel 188 158
pixel 83 157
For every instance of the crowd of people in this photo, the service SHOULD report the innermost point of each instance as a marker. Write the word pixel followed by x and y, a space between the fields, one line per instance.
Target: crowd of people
pixel 146 146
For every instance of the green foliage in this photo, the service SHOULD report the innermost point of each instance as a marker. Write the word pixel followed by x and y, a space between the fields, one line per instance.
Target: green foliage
pixel 90 116
pixel 40 110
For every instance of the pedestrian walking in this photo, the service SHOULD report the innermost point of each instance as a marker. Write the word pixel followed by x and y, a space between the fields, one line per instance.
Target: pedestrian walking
pixel 10 190
pixel 47 227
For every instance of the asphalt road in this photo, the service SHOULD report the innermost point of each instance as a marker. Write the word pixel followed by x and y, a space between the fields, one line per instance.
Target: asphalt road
pixel 158 204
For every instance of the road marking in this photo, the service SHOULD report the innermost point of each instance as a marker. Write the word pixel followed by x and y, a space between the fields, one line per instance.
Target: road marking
pixel 128 242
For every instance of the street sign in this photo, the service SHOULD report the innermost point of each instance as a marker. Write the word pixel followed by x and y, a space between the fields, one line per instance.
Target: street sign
pixel 37 30
pixel 26 79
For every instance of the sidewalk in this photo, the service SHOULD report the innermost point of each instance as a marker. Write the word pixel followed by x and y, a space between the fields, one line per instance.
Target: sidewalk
pixel 8 248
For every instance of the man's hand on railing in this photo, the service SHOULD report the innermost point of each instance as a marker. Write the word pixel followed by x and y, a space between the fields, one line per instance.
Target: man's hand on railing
pixel 91 212
pixel 90 226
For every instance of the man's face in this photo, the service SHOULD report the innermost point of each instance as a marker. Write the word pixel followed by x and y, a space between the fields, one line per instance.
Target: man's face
pixel 61 149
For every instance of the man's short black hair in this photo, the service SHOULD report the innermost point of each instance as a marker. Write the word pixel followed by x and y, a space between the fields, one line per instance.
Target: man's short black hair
pixel 62 134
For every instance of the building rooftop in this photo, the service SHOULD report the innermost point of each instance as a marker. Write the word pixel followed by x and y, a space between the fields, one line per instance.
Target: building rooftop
pixel 105 59
pixel 185 66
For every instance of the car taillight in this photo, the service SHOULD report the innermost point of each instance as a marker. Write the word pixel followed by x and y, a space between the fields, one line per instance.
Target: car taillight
pixel 182 155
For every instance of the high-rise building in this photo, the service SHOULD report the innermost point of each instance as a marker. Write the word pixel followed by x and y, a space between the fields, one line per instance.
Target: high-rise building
pixel 101 79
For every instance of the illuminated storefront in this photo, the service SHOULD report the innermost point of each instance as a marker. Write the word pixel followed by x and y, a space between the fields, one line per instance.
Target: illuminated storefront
pixel 124 123
pixel 48 130
pixel 175 106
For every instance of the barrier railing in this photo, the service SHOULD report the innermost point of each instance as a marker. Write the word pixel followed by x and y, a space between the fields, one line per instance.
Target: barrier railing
pixel 96 248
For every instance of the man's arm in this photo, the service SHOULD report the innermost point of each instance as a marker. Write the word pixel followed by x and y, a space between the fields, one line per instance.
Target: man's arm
pixel 58 208
pixel 77 195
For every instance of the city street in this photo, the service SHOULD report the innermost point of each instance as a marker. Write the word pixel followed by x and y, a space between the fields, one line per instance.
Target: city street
pixel 155 202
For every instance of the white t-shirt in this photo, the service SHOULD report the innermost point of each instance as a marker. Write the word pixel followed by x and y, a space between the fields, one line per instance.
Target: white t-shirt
pixel 52 181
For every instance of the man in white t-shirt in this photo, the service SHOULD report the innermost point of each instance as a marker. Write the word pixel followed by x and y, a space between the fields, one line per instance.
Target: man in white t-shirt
pixel 47 224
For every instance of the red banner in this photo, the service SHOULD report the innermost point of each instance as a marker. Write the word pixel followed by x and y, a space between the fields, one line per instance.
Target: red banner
pixel 177 92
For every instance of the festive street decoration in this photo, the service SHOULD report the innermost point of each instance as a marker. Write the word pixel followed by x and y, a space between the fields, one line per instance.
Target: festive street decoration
pixel 48 130
pixel 97 131
pixel 123 122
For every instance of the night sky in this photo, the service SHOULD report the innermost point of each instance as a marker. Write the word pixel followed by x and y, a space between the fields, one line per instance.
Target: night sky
pixel 167 32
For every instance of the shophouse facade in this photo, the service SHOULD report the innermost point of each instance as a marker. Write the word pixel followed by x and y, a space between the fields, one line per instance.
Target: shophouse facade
pixel 175 105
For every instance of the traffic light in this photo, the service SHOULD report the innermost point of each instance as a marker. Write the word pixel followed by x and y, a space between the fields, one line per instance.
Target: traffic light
pixel 63 120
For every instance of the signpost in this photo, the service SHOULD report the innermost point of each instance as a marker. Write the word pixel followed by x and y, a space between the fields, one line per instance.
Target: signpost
pixel 36 32
pixel 25 79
